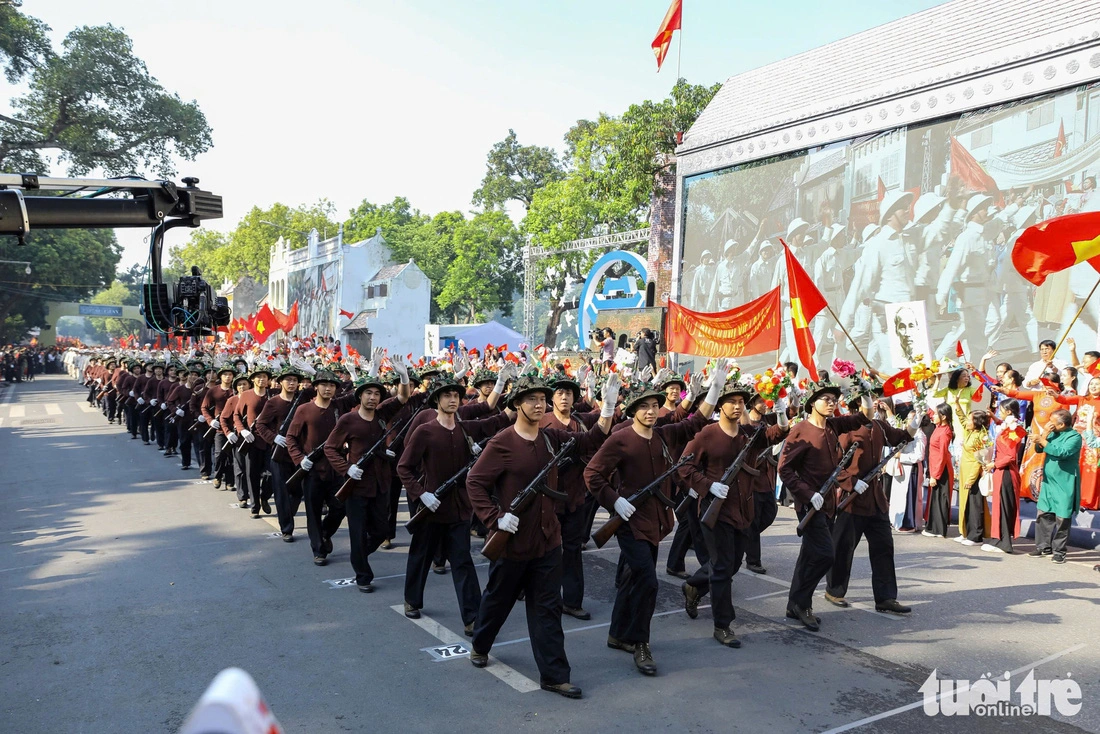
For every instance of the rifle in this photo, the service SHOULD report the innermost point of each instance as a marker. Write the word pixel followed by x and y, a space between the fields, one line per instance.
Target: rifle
pixel 285 426
pixel 498 539
pixel 404 429
pixel 870 476
pixel 441 492
pixel 710 515
pixel 243 443
pixel 345 488
pixel 828 485
pixel 300 474
pixel 653 489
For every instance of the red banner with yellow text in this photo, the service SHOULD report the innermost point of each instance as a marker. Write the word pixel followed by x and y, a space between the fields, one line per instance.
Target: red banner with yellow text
pixel 739 332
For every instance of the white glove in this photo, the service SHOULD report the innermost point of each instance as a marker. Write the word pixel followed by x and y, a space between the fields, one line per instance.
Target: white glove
pixel 646 374
pixel 475 449
pixel 355 472
pixel 719 490
pixel 141 401
pixel 215 424
pixel 202 419
pixel 861 486
pixel 817 501
pixel 179 412
pixel 718 380
pixel 164 406
pixel 432 503
pixel 695 386
pixel 232 438
pixel 509 523
pixel 280 441
pixel 131 393
pixel 376 357
pixel 507 372
pixel 610 395
pixel 247 436
pixel 306 464
pixel 693 494
pixel 662 374
pixel 400 368
pixel 624 509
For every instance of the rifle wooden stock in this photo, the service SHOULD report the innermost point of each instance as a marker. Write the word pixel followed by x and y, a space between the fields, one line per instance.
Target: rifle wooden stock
pixel 828 485
pixel 440 493
pixel 495 544
pixel 300 473
pixel 869 476
pixel 345 488
pixel 714 508
pixel 609 528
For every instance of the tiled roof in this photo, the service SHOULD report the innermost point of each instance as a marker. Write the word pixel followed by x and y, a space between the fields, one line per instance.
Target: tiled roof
pixel 942 43
pixel 359 323
pixel 388 272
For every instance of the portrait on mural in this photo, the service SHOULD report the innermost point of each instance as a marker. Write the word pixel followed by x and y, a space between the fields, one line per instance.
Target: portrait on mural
pixel 316 289
pixel 926 214
pixel 907 331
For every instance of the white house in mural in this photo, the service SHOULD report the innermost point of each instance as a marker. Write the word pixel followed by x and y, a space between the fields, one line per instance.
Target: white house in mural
pixel 389 302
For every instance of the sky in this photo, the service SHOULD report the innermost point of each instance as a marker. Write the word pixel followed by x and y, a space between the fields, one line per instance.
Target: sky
pixel 361 99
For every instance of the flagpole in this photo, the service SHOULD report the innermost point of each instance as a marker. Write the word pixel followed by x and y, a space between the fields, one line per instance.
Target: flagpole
pixel 1075 317
pixel 853 341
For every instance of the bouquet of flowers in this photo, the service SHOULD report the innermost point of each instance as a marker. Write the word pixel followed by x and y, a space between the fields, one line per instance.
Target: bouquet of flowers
pixel 841 368
pixel 773 385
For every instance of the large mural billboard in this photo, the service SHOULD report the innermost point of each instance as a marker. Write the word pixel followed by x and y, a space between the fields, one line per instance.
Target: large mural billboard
pixel 316 289
pixel 924 216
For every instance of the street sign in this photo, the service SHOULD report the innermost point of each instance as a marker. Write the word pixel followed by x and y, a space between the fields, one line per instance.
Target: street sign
pixel 89 309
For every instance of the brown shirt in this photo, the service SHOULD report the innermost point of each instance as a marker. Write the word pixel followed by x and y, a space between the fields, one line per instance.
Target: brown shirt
pixel 179 397
pixel 352 437
pixel 506 466
pixel 249 407
pixel 811 454
pixel 873 437
pixel 213 400
pixel 434 454
pixel 638 461
pixel 309 429
pixel 768 465
pixel 271 420
pixel 225 419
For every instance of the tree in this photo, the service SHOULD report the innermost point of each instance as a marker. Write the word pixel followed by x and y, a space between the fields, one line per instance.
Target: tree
pixel 515 172
pixel 92 106
pixel 482 275
pixel 119 294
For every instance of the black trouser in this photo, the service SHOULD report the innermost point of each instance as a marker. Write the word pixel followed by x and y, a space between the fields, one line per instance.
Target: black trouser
pixel 726 546
pixel 204 447
pixel 171 439
pixel 368 523
pixel 158 427
pixel 572 538
pixel 287 501
pixel 939 507
pixel 815 558
pixel 255 464
pixel 590 519
pixel 317 493
pixel 184 437
pixel 455 538
pixel 239 478
pixel 975 514
pixel 143 421
pixel 1009 509
pixel 1052 533
pixel 635 588
pixel 223 464
pixel 687 535
pixel 847 530
pixel 765 508
pixel 93 390
pixel 540 581
pixel 131 418
pixel 112 406
pixel 394 501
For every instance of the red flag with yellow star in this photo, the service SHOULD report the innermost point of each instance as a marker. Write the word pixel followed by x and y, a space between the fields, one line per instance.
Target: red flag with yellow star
pixel 663 38
pixel 1057 244
pixel 264 325
pixel 806 302
pixel 901 382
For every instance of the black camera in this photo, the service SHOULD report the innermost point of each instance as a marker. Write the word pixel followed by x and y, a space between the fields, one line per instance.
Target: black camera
pixel 196 310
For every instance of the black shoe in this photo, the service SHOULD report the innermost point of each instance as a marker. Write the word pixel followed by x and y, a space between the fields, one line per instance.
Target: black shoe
pixel 643 659
pixel 288 537
pixel 576 613
pixel 562 689
pixel 469 629
pixel 411 612
pixel 265 506
pixel 1038 553
pixel 726 637
pixel 326 546
pixel 217 482
pixel 387 544
pixel 319 560
pixel 147 443
pixel 243 504
pixel 838 601
pixel 479 660
pixel 892 606
pixel 184 468
pixel 366 588
pixel 756 568
pixel 439 569
pixel 691 600
pixel 678 574
pixel 255 514
pixel 805 616
pixel 619 644
pixel 1058 559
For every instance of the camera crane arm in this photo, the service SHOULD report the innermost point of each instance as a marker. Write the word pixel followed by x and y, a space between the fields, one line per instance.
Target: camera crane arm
pixel 160 204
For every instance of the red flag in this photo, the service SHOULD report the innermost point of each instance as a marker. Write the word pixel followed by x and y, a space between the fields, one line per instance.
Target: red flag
pixel 280 317
pixel 349 314
pixel 1057 244
pixel 978 394
pixel 663 39
pixel 264 325
pixel 900 382
pixel 806 302
pixel 966 167
pixel 1060 142
pixel 753 328
pixel 881 190
pixel 291 319
pixel 959 348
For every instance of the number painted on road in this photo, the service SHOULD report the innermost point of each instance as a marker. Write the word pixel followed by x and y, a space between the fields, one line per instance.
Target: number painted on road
pixel 440 653
pixel 340 583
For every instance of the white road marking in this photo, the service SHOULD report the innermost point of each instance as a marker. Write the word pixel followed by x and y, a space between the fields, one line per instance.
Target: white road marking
pixel 87 408
pixel 505 673
pixel 596 626
pixel 18 411
pixel 918 704
pixel 765 596
pixel 53 409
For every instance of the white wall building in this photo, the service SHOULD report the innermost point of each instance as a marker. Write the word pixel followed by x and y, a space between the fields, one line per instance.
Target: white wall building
pixel 389 302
